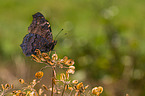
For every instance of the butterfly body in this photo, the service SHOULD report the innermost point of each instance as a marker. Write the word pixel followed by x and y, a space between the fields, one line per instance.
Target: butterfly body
pixel 39 37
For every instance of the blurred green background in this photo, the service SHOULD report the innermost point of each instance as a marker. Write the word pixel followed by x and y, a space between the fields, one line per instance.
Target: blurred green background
pixel 106 39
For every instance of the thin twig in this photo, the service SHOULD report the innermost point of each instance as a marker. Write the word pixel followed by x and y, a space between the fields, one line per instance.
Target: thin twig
pixel 53 76
pixel 44 67
pixel 63 90
pixel 71 93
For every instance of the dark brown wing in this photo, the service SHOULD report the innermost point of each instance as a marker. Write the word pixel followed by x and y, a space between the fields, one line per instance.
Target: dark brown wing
pixel 39 37
pixel 41 27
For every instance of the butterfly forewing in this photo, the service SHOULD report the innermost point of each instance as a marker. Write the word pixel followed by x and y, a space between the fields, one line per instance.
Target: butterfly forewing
pixel 39 37
pixel 41 27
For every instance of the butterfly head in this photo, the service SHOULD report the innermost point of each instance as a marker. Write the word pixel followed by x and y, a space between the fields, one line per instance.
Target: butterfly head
pixel 52 44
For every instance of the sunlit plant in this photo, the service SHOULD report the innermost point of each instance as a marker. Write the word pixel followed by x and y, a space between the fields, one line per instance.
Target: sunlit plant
pixel 67 87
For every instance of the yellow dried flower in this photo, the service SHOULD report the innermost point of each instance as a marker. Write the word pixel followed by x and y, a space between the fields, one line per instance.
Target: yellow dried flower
pixel 45 87
pixel 34 82
pixel 61 61
pixel 126 95
pixel 40 91
pixel 2 86
pixel 7 86
pixel 65 59
pixel 58 92
pixel 39 74
pixel 97 90
pixel 78 86
pixel 21 81
pixel 14 92
pixel 86 87
pixel 54 57
pixel 35 58
pixel 70 88
pixel 75 81
pixel 67 75
pixel 38 52
pixel 71 67
pixel 70 62
pixel 44 95
pixel 45 56
pixel 12 86
pixel 70 71
pixel 62 77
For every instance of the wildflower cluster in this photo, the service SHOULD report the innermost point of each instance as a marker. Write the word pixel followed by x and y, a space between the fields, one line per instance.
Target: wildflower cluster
pixel 61 84
pixel 5 88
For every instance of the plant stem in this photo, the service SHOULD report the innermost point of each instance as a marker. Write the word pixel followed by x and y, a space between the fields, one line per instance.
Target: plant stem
pixel 53 76
pixel 63 90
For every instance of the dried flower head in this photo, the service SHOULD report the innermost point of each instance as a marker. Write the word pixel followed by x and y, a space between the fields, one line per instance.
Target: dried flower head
pixel 39 74
pixel 7 86
pixel 78 86
pixel 40 91
pixel 35 58
pixel 45 56
pixel 67 75
pixel 70 88
pixel 97 90
pixel 38 52
pixel 21 81
pixel 54 57
pixel 75 81
pixel 72 67
pixel 70 71
pixel 45 87
pixel 70 62
pixel 65 59
pixel 62 77
pixel 3 87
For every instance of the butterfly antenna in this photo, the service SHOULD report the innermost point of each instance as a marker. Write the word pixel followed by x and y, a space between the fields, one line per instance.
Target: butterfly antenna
pixel 58 33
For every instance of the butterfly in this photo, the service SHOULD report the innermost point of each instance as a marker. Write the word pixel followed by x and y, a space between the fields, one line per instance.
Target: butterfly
pixel 39 37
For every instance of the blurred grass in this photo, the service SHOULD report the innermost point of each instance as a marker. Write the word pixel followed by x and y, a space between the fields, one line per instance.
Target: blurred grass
pixel 105 38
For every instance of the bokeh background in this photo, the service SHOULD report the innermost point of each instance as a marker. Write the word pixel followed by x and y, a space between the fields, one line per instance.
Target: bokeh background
pixel 106 39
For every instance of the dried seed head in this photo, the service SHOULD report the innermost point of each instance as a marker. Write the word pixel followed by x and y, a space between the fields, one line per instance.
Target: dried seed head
pixel 44 95
pixel 71 67
pixel 12 86
pixel 40 91
pixel 45 56
pixel 38 52
pixel 65 59
pixel 67 75
pixel 78 86
pixel 61 61
pixel 70 62
pixel 54 57
pixel 39 74
pixel 45 87
pixel 21 81
pixel 70 88
pixel 35 58
pixel 70 71
pixel 34 82
pixel 62 77
pixel 2 86
pixel 75 81
pixel 97 90
pixel 58 92
pixel 7 86
pixel 86 87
